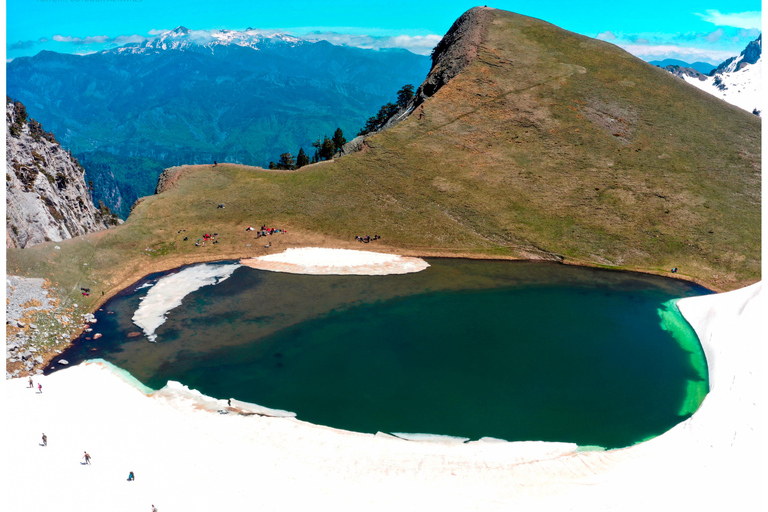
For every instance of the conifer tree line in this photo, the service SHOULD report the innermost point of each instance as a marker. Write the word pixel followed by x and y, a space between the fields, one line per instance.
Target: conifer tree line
pixel 326 147
pixel 404 96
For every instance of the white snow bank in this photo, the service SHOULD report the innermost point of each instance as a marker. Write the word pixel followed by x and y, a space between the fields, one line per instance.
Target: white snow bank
pixel 743 88
pixel 319 260
pixel 188 457
pixel 176 390
pixel 431 438
pixel 170 290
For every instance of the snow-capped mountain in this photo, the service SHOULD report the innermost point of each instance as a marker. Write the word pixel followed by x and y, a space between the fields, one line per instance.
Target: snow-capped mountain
pixel 188 96
pixel 737 80
pixel 182 38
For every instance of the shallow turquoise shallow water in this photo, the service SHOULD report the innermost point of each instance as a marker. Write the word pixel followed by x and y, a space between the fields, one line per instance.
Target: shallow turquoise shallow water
pixel 512 350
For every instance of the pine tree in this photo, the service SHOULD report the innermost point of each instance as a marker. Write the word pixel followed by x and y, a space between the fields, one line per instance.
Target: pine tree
pixel 301 159
pixel 404 95
pixel 338 140
pixel 327 149
pixel 286 161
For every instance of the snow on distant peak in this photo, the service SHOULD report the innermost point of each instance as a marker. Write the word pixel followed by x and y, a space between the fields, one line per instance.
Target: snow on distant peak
pixel 184 39
pixel 737 80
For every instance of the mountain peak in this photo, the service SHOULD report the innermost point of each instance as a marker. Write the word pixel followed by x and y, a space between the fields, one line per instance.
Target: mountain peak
pixel 457 49
pixel 179 31
pixel 183 39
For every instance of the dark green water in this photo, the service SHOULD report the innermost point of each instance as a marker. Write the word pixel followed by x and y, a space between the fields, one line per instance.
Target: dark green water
pixel 512 350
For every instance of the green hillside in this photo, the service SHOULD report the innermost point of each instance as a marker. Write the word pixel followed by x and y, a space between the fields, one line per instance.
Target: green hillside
pixel 548 144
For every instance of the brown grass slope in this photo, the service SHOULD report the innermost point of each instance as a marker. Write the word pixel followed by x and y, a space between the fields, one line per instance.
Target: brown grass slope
pixel 545 144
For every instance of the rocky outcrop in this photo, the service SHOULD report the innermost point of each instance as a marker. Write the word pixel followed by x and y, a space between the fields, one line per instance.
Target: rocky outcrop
pixel 46 197
pixel 750 55
pixel 456 50
pixel 682 72
pixel 166 180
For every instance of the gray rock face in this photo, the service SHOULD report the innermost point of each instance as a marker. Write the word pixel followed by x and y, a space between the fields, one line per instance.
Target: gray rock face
pixel 353 146
pixel 47 197
pixel 680 71
pixel 456 50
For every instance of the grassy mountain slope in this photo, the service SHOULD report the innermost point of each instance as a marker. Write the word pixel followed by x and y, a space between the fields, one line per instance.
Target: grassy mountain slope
pixel 547 144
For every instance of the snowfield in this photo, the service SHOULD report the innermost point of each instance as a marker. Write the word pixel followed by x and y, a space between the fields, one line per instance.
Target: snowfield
pixel 195 453
pixel 741 88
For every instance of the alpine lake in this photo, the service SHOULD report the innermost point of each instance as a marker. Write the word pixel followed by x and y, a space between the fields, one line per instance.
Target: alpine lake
pixel 514 350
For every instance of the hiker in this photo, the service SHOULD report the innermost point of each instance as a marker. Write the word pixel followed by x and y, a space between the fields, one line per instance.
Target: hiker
pixel 130 476
pixel 87 458
pixel 45 439
pixel 674 270
pixel 154 509
pixel 39 388
pixel 214 163
pixel 31 384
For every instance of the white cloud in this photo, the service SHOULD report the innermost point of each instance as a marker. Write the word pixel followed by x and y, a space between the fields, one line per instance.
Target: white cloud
pixel 749 19
pixel 417 44
pixel 606 36
pixel 714 36
pixel 421 45
pixel 95 39
pixel 135 38
pixel 65 39
pixel 668 51
pixel 200 36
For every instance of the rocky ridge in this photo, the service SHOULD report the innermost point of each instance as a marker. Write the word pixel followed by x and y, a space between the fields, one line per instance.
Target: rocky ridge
pixel 455 51
pixel 47 198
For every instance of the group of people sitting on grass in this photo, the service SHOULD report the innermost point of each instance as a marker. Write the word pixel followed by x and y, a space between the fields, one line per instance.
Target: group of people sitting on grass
pixel 206 238
pixel 367 238
pixel 264 231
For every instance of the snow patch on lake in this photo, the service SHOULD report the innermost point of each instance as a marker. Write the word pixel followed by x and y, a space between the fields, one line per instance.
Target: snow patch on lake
pixel 170 290
pixel 324 261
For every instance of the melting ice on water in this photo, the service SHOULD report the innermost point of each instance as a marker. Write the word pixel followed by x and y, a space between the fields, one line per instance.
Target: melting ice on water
pixel 169 291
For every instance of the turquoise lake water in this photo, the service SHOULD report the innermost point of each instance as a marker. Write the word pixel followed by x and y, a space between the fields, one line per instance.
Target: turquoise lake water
pixel 511 350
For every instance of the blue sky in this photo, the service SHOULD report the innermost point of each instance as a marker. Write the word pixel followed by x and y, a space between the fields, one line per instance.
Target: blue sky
pixel 690 30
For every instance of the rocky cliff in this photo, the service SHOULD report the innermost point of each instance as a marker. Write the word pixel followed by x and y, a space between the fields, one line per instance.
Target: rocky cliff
pixel 46 196
pixel 456 50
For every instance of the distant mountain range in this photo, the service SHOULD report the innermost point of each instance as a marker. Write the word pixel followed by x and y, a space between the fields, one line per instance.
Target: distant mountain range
pixel 190 96
pixel 737 80
pixel 702 67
